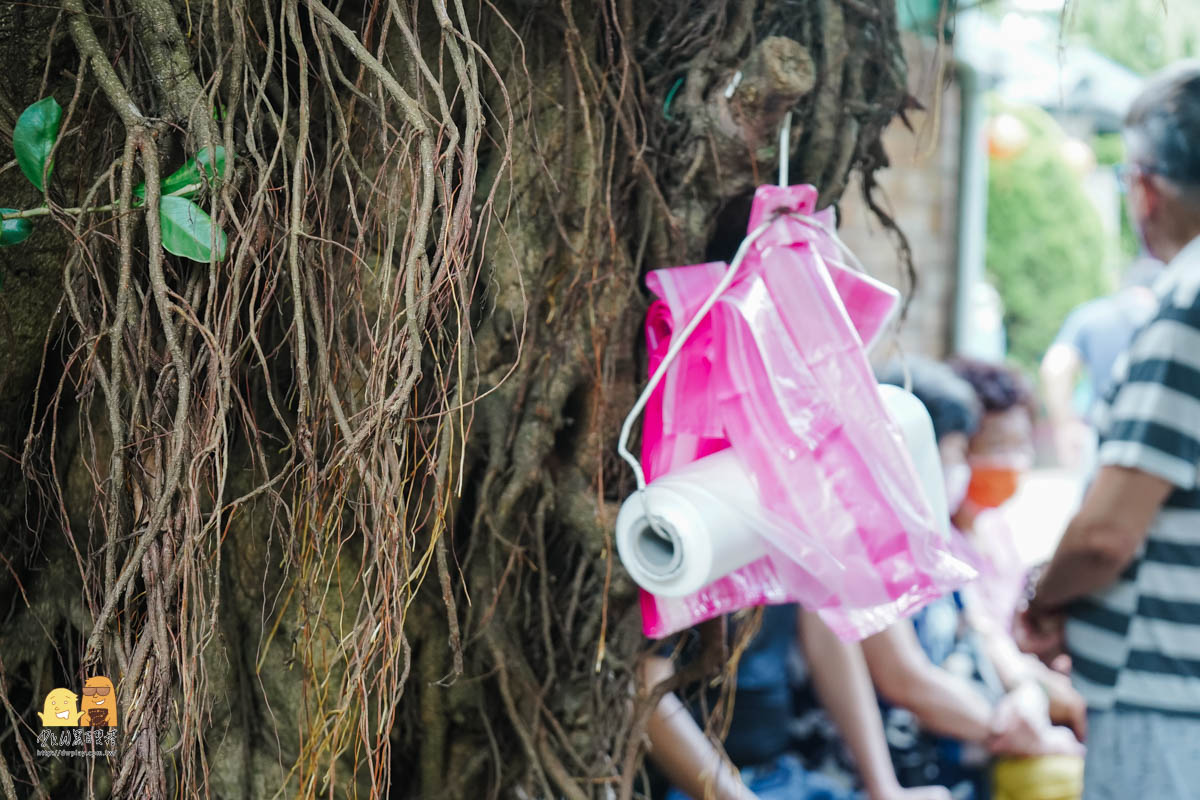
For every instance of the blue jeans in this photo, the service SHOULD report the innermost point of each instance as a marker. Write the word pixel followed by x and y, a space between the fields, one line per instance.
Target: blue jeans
pixel 786 779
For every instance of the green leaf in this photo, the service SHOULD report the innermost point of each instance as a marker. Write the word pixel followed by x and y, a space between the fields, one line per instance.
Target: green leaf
pixel 33 139
pixel 190 173
pixel 14 231
pixel 187 231
pixel 212 162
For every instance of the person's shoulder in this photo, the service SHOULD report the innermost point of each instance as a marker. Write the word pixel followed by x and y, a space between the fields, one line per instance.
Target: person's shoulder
pixel 1092 308
pixel 1082 321
pixel 1171 336
pixel 1178 288
pixel 1179 302
pixel 1096 314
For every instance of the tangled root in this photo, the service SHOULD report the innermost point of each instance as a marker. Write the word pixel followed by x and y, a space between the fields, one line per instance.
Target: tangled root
pixel 337 508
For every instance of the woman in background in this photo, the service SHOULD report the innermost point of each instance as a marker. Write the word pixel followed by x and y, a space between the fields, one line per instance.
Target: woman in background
pixel 947 709
pixel 998 453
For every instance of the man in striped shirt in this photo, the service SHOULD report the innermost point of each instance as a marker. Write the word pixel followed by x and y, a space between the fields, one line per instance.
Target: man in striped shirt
pixel 1122 593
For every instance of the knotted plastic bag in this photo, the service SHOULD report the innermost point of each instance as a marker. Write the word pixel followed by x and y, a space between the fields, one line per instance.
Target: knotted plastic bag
pixel 777 371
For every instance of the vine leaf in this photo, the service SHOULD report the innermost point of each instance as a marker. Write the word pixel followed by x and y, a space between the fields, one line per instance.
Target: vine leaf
pixel 14 231
pixel 188 232
pixel 210 162
pixel 33 139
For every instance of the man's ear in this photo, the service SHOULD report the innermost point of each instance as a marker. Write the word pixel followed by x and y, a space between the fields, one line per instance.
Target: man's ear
pixel 1152 191
pixel 1139 187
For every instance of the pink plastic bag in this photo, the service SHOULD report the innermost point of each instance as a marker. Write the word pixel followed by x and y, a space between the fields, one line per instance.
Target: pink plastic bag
pixel 777 371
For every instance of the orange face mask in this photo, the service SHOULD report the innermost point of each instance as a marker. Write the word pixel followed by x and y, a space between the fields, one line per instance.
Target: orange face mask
pixel 990 487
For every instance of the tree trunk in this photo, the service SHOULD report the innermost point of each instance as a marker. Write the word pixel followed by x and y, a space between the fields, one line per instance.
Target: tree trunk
pixel 335 512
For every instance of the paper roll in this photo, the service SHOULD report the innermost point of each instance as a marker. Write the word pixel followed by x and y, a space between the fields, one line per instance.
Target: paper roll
pixel 708 523
pixel 916 427
pixel 709 520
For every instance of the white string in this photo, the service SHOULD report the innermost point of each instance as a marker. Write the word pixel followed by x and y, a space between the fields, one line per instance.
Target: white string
pixel 677 343
pixel 813 222
pixel 733 84
pixel 785 141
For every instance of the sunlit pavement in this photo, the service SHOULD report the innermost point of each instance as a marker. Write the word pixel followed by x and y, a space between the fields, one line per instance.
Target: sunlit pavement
pixel 1039 512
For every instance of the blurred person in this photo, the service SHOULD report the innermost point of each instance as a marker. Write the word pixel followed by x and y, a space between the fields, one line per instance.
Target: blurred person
pixel 998 453
pixel 946 715
pixel 761 763
pixel 1121 592
pixel 946 724
pixel 981 418
pixel 1090 340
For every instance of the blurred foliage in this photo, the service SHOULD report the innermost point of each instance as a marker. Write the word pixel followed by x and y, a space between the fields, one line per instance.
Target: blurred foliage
pixel 1110 152
pixel 1047 248
pixel 921 16
pixel 1144 35
pixel 1128 244
pixel 1109 149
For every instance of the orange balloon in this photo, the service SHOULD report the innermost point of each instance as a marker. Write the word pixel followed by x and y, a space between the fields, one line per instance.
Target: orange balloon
pixel 1006 136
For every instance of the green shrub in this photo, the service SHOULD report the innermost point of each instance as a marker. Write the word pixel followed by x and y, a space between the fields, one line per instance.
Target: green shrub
pixel 1109 149
pixel 1047 249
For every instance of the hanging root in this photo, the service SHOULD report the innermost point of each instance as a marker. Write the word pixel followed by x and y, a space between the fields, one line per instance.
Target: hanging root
pixel 411 363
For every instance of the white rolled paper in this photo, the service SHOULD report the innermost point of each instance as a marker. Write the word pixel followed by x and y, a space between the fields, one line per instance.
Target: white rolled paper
pixel 916 427
pixel 708 518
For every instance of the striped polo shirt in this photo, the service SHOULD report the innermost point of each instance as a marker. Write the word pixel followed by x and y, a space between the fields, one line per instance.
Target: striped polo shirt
pixel 1137 643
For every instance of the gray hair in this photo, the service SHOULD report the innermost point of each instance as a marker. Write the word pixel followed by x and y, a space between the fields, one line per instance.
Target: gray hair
pixel 1162 128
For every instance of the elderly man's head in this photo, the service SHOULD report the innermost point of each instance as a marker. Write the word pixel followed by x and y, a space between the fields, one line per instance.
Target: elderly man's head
pixel 1162 135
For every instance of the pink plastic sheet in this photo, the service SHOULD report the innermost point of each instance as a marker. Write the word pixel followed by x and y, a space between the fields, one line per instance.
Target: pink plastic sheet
pixel 778 372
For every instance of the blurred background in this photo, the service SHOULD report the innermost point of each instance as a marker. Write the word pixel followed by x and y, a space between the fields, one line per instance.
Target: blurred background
pixel 1006 185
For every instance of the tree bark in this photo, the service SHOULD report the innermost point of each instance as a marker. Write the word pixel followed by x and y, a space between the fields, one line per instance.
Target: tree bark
pixel 335 513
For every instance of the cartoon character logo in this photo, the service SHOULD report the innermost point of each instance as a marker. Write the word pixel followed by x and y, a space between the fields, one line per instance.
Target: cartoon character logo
pixel 99 703
pixel 60 710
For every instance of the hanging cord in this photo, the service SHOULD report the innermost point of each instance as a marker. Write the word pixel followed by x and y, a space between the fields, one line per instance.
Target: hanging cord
pixel 785 141
pixel 677 343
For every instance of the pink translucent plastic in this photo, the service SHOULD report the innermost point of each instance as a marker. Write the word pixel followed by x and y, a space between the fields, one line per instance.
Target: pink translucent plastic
pixel 1002 574
pixel 778 372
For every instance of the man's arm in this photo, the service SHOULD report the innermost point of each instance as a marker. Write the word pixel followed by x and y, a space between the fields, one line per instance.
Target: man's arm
pixel 681 750
pixel 1102 538
pixel 843 685
pixel 1150 445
